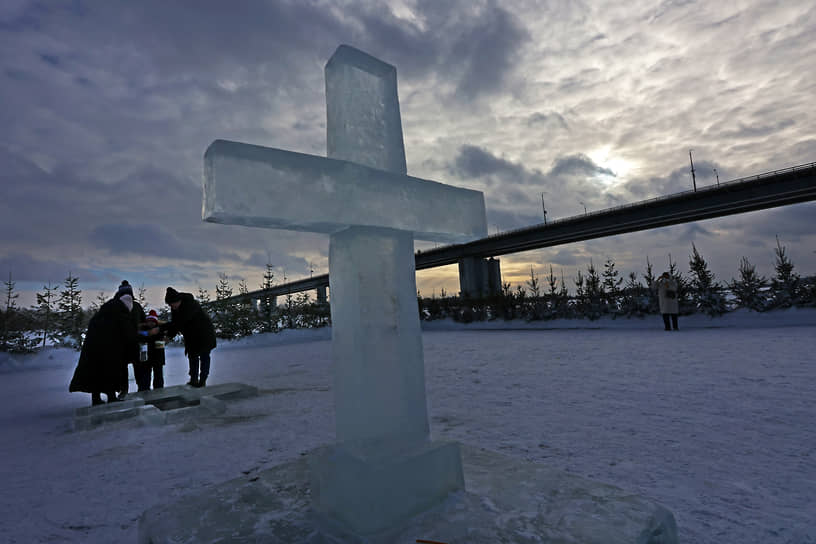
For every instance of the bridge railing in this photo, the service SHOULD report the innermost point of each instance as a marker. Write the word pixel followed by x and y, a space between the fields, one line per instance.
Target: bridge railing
pixel 707 188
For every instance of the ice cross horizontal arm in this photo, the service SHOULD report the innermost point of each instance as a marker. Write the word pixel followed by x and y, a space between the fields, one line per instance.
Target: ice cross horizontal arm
pixel 266 187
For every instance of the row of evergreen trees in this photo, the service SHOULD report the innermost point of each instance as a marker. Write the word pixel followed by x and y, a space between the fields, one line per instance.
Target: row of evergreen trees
pixel 58 316
pixel 235 319
pixel 598 293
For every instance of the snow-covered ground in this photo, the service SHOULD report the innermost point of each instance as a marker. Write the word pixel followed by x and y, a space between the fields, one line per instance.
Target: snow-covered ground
pixel 716 422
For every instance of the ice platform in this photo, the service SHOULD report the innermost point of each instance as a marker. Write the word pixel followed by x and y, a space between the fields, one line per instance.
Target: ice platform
pixel 166 405
pixel 506 500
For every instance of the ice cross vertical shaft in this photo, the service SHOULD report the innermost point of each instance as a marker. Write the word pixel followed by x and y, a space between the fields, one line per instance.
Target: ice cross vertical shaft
pixel 383 469
pixel 379 374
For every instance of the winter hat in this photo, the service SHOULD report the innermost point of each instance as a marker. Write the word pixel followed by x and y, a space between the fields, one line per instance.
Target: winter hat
pixel 171 296
pixel 128 301
pixel 124 289
pixel 152 315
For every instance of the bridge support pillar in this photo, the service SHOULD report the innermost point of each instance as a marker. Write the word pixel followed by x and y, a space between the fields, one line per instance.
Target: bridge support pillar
pixel 479 277
pixel 321 294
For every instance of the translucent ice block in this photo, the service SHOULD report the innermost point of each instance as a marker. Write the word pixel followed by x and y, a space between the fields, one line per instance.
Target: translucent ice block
pixel 379 375
pixel 265 187
pixel 362 111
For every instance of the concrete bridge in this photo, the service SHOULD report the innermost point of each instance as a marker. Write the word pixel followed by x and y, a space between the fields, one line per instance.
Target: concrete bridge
pixel 479 272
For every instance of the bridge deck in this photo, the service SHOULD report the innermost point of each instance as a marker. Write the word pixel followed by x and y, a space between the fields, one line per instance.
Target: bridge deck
pixel 768 190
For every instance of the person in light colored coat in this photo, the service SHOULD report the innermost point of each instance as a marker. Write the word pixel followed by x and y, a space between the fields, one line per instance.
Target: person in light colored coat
pixel 667 296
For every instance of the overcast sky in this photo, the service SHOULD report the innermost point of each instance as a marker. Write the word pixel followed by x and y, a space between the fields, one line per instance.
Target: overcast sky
pixel 107 107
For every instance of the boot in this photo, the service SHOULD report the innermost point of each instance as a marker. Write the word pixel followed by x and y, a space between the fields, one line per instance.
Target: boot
pixel 201 383
pixel 193 382
pixel 112 397
pixel 96 399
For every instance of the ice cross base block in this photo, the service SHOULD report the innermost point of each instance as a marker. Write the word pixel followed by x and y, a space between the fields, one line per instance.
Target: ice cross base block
pixel 370 495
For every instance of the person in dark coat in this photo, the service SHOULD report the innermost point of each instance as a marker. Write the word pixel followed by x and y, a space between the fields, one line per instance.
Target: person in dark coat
pixel 189 318
pixel 137 315
pixel 103 361
pixel 153 364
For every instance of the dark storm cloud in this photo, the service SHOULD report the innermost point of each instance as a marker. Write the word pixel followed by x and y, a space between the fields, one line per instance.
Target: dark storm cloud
pixel 486 52
pixel 474 162
pixel 293 266
pixel 578 165
pixel 550 120
pixel 152 241
pixel 31 268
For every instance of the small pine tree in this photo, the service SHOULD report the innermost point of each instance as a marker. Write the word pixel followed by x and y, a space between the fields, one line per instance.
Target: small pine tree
pixel 635 301
pixel 748 289
pixel 556 304
pixel 536 309
pixel 581 303
pixel 203 296
pixel 14 338
pixel 611 287
pixel 224 318
pixel 563 298
pixel 69 303
pixel 245 313
pixel 533 284
pixel 785 285
pixel 594 292
pixel 268 315
pixel 707 292
pixel 141 296
pixel 45 311
pixel 650 279
pixel 94 306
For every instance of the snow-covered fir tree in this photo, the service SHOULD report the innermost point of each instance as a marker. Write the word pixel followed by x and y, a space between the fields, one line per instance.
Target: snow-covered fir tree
pixel 244 312
pixel 650 279
pixel 70 321
pixel 14 338
pixel 594 293
pixel 94 306
pixel 45 311
pixel 635 301
pixel 141 295
pixel 786 283
pixel 557 296
pixel 224 310
pixel 536 308
pixel 749 288
pixel 706 291
pixel 611 287
pixel 580 302
pixel 268 315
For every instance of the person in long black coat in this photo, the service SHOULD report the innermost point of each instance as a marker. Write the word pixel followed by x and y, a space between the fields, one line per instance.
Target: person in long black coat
pixel 137 314
pixel 189 318
pixel 102 365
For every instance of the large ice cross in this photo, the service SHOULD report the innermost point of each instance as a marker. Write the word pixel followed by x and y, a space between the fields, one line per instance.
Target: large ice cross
pixel 362 197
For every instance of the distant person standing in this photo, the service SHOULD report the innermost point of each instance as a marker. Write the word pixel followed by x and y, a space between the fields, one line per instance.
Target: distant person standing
pixel 189 318
pixel 667 297
pixel 108 343
pixel 137 315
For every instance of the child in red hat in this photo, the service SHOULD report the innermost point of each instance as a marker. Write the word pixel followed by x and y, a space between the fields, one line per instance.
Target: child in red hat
pixel 154 363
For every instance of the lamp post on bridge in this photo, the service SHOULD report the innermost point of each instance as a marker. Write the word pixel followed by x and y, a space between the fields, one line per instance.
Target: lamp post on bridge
pixel 718 177
pixel 584 205
pixel 543 209
pixel 693 177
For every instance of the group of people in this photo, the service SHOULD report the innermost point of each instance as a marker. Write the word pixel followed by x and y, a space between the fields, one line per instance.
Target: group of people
pixel 121 334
